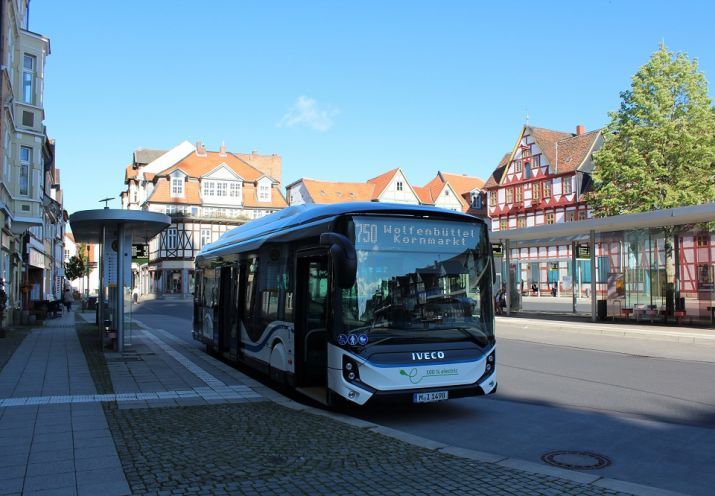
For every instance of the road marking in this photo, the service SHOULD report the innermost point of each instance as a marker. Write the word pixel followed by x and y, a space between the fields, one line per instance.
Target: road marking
pixel 230 393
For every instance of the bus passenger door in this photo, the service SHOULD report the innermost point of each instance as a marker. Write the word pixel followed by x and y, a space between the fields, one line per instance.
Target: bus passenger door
pixel 311 332
pixel 226 311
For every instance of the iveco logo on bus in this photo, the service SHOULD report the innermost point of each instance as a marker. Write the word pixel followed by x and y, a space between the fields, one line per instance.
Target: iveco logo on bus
pixel 427 355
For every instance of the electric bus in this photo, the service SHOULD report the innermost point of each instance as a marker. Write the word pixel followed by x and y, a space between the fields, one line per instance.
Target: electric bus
pixel 354 301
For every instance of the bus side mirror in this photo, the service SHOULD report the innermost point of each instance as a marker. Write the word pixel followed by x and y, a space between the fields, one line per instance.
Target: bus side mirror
pixel 344 258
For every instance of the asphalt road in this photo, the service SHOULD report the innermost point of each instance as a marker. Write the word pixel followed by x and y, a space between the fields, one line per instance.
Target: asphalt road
pixel 646 405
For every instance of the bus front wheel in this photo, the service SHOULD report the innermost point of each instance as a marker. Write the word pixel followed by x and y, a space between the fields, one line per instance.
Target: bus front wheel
pixel 277 364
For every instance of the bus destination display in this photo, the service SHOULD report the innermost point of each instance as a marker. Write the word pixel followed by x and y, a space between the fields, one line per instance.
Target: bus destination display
pixel 414 235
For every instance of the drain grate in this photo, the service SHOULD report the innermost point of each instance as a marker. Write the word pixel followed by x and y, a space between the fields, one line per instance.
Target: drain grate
pixel 576 460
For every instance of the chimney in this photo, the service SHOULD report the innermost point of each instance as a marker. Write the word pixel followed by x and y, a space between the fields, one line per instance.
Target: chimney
pixel 580 129
pixel 200 149
pixel 222 150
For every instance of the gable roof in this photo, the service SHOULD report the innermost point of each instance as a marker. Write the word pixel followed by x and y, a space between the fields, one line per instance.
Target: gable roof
pixel 565 152
pixel 381 182
pixel 197 166
pixel 335 192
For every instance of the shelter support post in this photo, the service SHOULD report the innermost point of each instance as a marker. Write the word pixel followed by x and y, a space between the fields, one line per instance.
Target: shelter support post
pixel 574 275
pixel 507 259
pixel 676 255
pixel 100 293
pixel 594 298
pixel 119 293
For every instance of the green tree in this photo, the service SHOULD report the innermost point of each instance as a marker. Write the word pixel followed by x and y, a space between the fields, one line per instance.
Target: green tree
pixel 74 268
pixel 659 148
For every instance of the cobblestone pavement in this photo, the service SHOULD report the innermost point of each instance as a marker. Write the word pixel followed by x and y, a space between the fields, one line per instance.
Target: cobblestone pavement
pixel 264 448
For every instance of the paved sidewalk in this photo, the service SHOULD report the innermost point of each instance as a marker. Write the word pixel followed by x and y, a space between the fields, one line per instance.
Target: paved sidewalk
pixel 166 418
pixel 52 438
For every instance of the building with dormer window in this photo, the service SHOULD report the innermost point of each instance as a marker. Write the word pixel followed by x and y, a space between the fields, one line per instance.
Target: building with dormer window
pixel 206 193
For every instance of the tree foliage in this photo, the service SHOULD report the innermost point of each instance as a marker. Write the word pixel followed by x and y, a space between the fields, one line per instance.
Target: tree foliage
pixel 74 268
pixel 659 148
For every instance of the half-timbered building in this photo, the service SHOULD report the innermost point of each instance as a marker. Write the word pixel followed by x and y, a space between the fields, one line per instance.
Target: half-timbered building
pixel 206 193
pixel 543 179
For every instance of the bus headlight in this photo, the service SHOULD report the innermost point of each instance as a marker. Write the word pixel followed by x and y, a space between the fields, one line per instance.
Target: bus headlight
pixel 350 369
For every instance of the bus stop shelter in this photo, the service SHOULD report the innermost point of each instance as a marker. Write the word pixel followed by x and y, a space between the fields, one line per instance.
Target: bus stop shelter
pixel 617 265
pixel 115 230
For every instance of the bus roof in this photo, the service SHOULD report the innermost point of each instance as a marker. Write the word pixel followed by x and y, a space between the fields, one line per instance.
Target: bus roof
pixel 302 215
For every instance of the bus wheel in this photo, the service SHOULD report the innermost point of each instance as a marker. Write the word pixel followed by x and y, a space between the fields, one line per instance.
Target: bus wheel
pixel 277 364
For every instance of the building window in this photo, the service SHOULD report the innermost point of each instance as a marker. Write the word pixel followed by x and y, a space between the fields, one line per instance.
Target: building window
pixel 521 222
pixel 566 185
pixel 209 188
pixel 492 198
pixel 235 189
pixel 28 78
pixel 535 191
pixel 171 236
pixel 25 159
pixel 517 166
pixel 504 224
pixel 702 240
pixel 205 237
pixel 570 216
pixel 177 186
pixel 582 215
pixel 509 195
pixel 517 193
pixel 535 162
pixel 264 192
pixel 221 189
pixel 399 185
pixel 550 218
pixel 547 189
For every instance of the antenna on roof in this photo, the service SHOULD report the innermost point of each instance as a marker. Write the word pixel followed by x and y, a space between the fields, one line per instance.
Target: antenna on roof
pixel 526 118
pixel 106 201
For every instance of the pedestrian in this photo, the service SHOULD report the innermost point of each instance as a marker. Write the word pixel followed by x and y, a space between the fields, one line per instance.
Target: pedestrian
pixel 67 299
pixel 500 300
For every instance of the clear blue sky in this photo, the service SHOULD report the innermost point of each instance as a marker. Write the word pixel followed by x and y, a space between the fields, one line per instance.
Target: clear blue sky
pixel 341 90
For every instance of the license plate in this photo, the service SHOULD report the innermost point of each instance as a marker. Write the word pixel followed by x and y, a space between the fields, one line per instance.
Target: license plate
pixel 430 397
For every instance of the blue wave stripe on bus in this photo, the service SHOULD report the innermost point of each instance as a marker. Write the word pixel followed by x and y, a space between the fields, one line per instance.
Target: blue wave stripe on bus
pixel 416 364
pixel 255 348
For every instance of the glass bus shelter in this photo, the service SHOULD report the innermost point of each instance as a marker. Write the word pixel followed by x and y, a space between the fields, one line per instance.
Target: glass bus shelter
pixel 653 266
pixel 115 230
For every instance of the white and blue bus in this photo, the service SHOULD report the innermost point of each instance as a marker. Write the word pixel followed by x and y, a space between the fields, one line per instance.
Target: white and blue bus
pixel 354 301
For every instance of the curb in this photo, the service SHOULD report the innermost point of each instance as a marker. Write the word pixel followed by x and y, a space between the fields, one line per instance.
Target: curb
pixel 685 336
pixel 457 451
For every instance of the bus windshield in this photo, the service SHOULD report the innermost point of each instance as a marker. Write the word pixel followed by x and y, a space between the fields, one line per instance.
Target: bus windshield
pixel 419 280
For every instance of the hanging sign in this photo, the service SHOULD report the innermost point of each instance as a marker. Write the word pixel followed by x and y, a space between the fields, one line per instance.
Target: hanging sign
pixel 583 250
pixel 497 249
